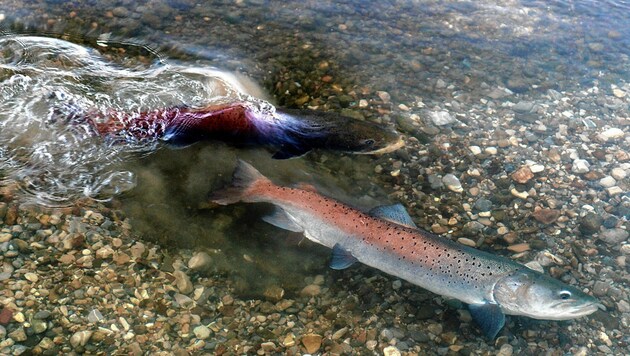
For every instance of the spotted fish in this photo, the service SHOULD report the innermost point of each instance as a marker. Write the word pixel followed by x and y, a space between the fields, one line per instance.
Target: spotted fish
pixel 387 239
pixel 292 132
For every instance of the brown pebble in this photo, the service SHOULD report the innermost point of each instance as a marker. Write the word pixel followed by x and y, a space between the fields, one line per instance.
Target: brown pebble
pixel 523 175
pixel 311 290
pixel 6 315
pixel 519 248
pixel 273 293
pixel 439 229
pixel 546 216
pixel 312 342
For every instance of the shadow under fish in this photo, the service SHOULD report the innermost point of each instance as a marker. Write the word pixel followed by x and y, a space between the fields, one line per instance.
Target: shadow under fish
pixel 291 132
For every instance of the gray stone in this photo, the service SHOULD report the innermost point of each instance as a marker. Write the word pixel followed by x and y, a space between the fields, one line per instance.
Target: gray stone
pixel 441 118
pixel 523 106
pixel 18 335
pixel 591 223
pixel 613 236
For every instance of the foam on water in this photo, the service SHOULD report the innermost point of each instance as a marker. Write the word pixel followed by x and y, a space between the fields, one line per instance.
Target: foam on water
pixel 47 83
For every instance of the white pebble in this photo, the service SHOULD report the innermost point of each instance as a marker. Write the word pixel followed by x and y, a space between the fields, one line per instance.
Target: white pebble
pixel 611 134
pixel 580 166
pixel 441 118
pixel 491 150
pixel 536 168
pixel 475 150
pixel 614 190
pixel 618 173
pixel 201 332
pixel 607 182
pixel 452 183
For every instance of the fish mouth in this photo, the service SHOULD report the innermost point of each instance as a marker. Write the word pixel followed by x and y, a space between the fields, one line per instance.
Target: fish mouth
pixel 387 149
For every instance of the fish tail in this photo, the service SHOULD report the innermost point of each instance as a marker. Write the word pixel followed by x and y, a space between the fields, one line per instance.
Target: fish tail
pixel 248 185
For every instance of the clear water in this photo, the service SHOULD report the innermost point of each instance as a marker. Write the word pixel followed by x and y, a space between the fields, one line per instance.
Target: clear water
pixel 426 55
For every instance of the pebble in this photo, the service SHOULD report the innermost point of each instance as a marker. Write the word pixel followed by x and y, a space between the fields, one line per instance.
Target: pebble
pixel 183 282
pixel 506 350
pixel 607 182
pixel 391 351
pixel 18 334
pixel 546 216
pixel 491 150
pixel 619 93
pixel 441 118
pixel 32 277
pixel 623 306
pixel 537 168
pixel 3 332
pixel 311 342
pixel 201 332
pixel 612 134
pixel 475 150
pixel 618 173
pixel 80 338
pixel 516 193
pixel 39 326
pixel 4 237
pixel 452 183
pixel 94 316
pixel 522 247
pixel 466 241
pixel 580 166
pixel 590 223
pixel 311 290
pixel 613 236
pixel 200 261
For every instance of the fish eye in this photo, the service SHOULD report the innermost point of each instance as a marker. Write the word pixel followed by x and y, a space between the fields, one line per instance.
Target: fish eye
pixel 564 295
pixel 369 141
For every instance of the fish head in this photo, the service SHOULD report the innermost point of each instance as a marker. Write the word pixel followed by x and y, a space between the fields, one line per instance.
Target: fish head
pixel 361 137
pixel 535 295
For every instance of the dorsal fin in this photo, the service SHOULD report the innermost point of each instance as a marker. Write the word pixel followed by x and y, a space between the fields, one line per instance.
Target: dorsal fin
pixel 395 213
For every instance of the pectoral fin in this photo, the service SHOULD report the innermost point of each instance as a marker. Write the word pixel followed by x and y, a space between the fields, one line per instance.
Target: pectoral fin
pixel 489 317
pixel 279 218
pixel 341 259
pixel 395 213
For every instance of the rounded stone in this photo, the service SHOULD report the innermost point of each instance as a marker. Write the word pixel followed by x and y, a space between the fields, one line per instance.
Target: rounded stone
pixel 201 332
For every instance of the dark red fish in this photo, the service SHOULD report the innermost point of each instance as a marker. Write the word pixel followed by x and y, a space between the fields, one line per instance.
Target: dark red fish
pixel 292 132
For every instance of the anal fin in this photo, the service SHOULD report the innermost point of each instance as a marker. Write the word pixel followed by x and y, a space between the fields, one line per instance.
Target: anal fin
pixel 341 259
pixel 489 317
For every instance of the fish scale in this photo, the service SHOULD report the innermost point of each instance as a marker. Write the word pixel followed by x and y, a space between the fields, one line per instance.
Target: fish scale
pixel 388 240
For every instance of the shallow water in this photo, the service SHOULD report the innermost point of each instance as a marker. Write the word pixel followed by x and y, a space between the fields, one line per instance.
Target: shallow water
pixel 400 62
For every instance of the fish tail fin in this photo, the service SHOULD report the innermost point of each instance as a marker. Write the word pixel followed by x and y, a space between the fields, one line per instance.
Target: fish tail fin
pixel 246 184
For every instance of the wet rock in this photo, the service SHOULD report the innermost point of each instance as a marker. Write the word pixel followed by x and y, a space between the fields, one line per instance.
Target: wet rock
pixel 506 350
pixel 590 223
pixel 200 261
pixel 452 183
pixel 391 351
pixel 472 228
pixel 3 332
pixel 613 236
pixel 39 326
pixel 618 173
pixel 183 282
pixel 18 335
pixel 546 216
pixel 273 293
pixel 612 134
pixel 80 338
pixel 6 315
pixel 523 106
pixel 311 290
pixel 95 316
pixel 518 248
pixel 483 204
pixel 607 182
pixel 600 288
pixel 201 332
pixel 311 342
pixel 580 166
pixel 441 118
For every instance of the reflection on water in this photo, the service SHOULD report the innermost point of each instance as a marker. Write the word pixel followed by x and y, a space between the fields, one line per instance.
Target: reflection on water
pixel 44 82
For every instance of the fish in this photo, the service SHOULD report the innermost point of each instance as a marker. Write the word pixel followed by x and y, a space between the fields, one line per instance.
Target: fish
pixel 293 132
pixel 386 238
